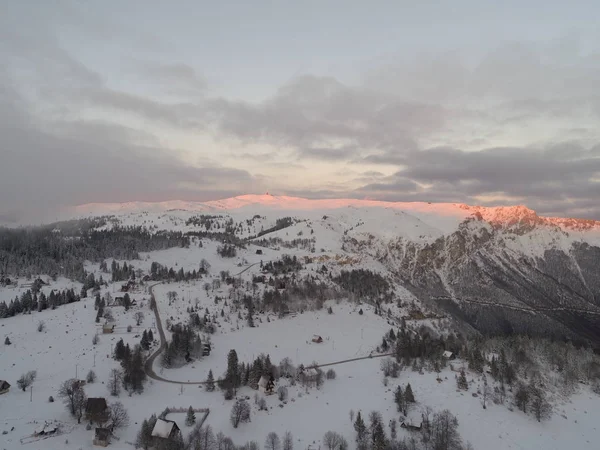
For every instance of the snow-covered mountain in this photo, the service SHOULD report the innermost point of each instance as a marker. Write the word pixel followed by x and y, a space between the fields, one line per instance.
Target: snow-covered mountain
pixel 497 268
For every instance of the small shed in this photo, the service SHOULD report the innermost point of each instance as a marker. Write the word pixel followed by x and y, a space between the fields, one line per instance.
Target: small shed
pixel 266 385
pixel 448 354
pixel 317 339
pixel 102 437
pixel 259 252
pixel 48 429
pixel 4 386
pixel 108 328
pixel 96 410
pixel 165 429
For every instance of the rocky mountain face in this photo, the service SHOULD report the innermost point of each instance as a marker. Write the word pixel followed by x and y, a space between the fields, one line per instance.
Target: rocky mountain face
pixel 504 271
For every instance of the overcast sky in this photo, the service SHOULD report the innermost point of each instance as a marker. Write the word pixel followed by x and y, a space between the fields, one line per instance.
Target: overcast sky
pixel 475 101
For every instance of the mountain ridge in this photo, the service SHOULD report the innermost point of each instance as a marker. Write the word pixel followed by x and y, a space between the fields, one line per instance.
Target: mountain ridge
pixel 507 215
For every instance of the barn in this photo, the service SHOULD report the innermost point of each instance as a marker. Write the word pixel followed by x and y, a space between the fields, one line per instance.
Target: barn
pixel 4 386
pixel 96 409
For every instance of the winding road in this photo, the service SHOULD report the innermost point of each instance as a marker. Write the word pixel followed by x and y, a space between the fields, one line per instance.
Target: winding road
pixel 149 364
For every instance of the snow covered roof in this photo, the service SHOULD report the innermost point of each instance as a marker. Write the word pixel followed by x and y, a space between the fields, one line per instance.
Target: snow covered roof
pixel 264 380
pixel 164 428
pixel 447 354
pixel 311 372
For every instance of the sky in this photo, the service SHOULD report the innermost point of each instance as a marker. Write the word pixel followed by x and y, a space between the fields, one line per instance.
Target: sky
pixel 477 102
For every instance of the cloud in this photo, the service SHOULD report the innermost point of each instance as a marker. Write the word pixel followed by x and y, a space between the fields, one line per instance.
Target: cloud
pixel 177 79
pixel 517 124
pixel 81 162
pixel 558 179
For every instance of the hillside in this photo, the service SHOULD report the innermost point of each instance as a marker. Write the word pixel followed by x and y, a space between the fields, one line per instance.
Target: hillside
pixel 501 269
pixel 389 288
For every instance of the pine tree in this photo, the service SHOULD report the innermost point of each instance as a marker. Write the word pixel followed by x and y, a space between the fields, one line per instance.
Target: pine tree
pixel 399 400
pixel 150 336
pixel 408 394
pixel 144 342
pixel 267 367
pixel 137 375
pixel 190 419
pixel 210 382
pixel 255 373
pixel 119 352
pixel 461 382
pixel 232 376
pixel 126 301
pixel 361 431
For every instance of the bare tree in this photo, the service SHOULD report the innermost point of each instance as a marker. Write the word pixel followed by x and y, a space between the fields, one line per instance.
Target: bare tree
pixel 288 441
pixel 272 442
pixel 240 413
pixel 282 393
pixel 286 369
pixel 80 401
pixel 71 392
pixel 118 415
pixel 114 382
pixel 202 438
pixel 95 339
pixel 444 431
pixel 332 440
pixel 486 391
pixel 27 379
pixel 539 405
pixel 41 326
pixel 139 318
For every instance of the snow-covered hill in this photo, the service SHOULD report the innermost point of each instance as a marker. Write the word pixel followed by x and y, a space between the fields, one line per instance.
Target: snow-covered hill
pixel 498 268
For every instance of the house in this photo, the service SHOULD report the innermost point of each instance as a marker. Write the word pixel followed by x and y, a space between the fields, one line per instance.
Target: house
pixel 108 328
pixel 128 286
pixel 266 385
pixel 317 339
pixel 102 437
pixel 165 429
pixel 448 354
pixel 96 410
pixel 411 426
pixel 118 301
pixel 4 387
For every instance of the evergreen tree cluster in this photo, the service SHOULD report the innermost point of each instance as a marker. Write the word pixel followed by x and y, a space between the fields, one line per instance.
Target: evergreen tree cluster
pixel 158 272
pixel 62 248
pixel 364 283
pixel 132 363
pixel 185 344
pixel 30 301
pixel 147 339
pixel 285 265
pixel 280 224
pixel 227 251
